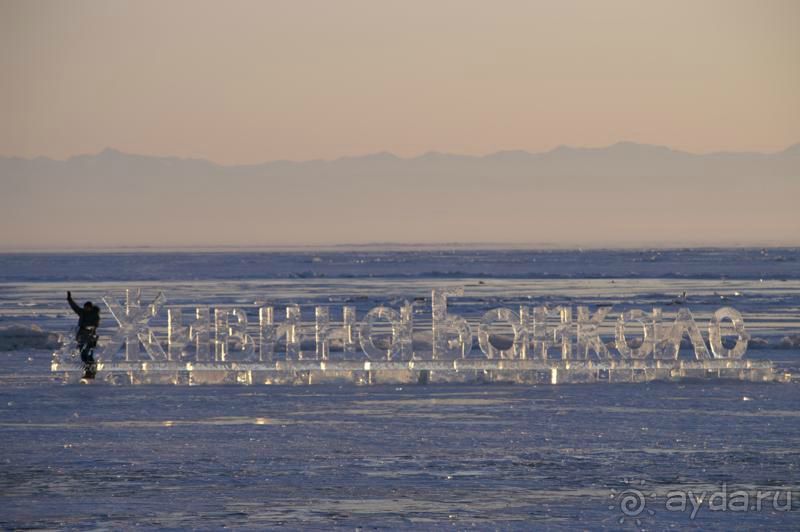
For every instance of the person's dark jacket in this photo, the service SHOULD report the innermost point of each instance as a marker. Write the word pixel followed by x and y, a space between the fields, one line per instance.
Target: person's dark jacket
pixel 87 317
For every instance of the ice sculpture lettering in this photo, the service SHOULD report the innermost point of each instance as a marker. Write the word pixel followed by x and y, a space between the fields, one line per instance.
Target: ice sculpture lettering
pixel 562 341
pixel 533 332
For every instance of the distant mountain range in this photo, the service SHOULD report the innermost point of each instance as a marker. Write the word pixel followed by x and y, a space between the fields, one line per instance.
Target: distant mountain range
pixel 621 159
pixel 622 193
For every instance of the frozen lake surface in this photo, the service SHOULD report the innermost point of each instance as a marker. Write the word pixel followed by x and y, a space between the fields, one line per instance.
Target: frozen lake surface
pixel 460 456
pixel 485 456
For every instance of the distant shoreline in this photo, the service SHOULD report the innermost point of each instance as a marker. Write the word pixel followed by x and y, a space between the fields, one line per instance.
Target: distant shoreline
pixel 398 247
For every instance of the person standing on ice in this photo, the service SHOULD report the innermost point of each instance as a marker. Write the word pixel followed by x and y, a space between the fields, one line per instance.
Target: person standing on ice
pixel 88 321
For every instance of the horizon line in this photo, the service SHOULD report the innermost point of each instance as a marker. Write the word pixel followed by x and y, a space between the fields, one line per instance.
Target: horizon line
pixel 378 246
pixel 386 153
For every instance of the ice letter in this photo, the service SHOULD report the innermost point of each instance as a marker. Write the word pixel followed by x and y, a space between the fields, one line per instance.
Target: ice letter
pixel 669 347
pixel 508 316
pixel 648 334
pixel 322 332
pixel 294 333
pixel 179 337
pixel 715 334
pixel 134 326
pixel 401 341
pixel 452 336
pixel 544 337
pixel 407 331
pixel 588 333
pixel 348 328
pixel 269 333
pixel 325 332
pixel 526 328
pixel 231 340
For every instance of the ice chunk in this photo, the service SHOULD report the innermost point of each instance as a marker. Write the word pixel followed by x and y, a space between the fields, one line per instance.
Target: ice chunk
pixel 19 337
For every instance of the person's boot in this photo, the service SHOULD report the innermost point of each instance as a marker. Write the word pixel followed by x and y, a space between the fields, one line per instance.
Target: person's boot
pixel 90 367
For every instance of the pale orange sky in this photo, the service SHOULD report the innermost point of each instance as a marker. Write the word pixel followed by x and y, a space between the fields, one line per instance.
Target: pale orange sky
pixel 243 82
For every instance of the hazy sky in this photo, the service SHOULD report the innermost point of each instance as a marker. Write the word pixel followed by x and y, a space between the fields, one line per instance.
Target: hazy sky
pixel 239 82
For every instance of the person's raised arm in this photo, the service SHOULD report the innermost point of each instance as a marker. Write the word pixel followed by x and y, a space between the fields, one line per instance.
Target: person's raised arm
pixel 78 310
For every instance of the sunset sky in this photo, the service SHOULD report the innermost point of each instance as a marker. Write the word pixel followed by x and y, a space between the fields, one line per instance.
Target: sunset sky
pixel 245 82
pixel 240 82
